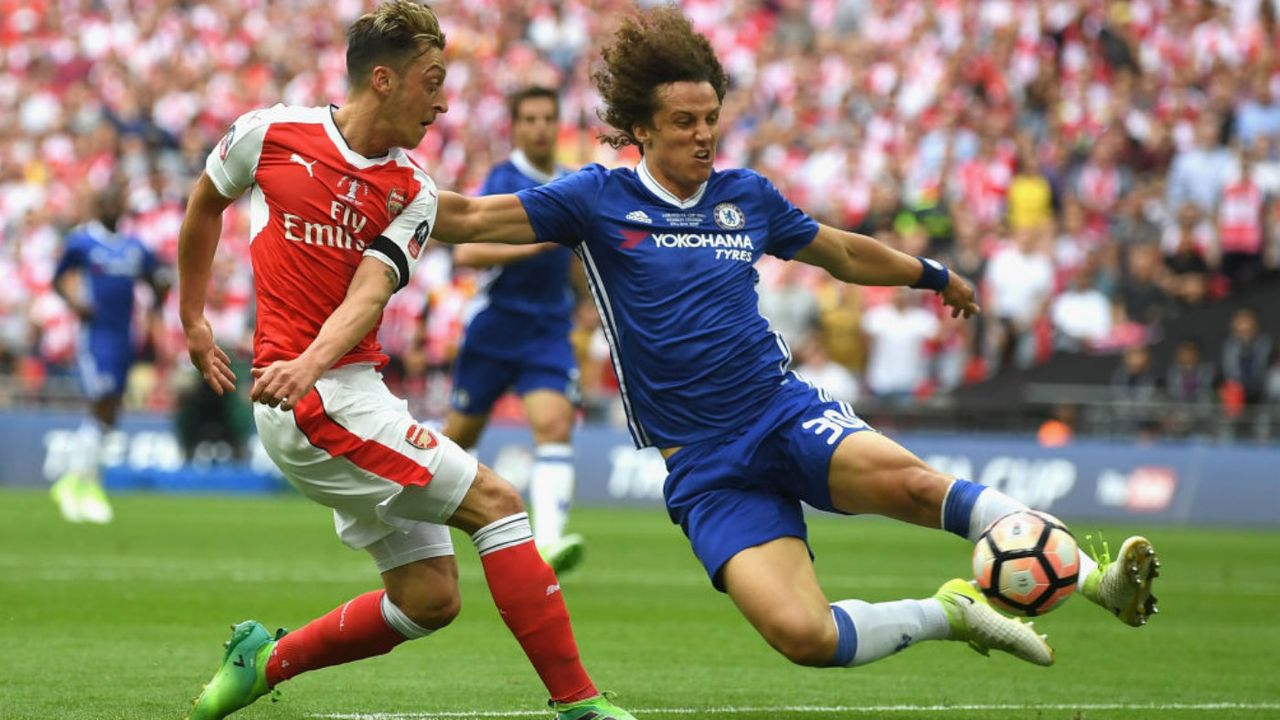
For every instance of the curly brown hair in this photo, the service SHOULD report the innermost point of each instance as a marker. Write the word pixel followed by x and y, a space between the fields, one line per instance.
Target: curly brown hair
pixel 651 48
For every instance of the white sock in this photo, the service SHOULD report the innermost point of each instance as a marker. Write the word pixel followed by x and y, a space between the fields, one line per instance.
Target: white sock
pixel 551 491
pixel 88 451
pixel 502 533
pixel 401 623
pixel 990 506
pixel 885 628
pixel 1087 564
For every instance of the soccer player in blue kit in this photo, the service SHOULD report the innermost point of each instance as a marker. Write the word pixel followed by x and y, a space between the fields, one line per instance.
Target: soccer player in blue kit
pixel 518 334
pixel 668 249
pixel 108 264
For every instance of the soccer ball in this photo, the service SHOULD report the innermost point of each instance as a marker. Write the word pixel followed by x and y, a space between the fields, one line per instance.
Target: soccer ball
pixel 1026 563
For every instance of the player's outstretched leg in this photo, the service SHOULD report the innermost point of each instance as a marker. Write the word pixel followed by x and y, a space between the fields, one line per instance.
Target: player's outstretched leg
pixel 974 621
pixel 242 677
pixel 1123 585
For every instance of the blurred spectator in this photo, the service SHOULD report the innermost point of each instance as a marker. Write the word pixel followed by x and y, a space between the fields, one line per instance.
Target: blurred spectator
pixel 1258 115
pixel 1199 172
pixel 816 366
pixel 1189 379
pixel 1141 292
pixel 898 335
pixel 1188 278
pixel 1059 429
pixel 1240 230
pixel 789 306
pixel 1081 316
pixel 1134 381
pixel 1247 355
pixel 1019 287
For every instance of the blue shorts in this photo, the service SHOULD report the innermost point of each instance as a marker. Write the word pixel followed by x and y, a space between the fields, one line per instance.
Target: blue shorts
pixel 743 490
pixel 525 360
pixel 103 368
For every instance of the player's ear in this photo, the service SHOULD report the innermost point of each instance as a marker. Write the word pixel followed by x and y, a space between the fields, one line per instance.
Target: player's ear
pixel 642 134
pixel 381 79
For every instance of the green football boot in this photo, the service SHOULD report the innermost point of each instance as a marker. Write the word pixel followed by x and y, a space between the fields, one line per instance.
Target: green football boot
pixel 596 708
pixel 1123 585
pixel 973 620
pixel 564 554
pixel 243 675
pixel 66 495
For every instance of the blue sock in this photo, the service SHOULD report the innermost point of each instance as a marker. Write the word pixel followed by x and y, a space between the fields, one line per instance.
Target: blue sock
pixel 957 508
pixel 969 508
pixel 846 638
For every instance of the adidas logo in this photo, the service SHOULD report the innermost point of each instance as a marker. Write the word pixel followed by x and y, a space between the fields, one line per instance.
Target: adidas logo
pixel 639 216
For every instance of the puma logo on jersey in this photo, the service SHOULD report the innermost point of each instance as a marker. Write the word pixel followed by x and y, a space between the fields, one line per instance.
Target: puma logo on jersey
pixel 303 162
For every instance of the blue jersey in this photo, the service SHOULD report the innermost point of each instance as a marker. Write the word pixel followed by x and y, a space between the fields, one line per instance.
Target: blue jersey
pixel 109 264
pixel 536 287
pixel 674 282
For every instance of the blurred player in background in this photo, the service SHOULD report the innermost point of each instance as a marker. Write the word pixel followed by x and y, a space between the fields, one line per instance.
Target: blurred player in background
pixel 668 250
pixel 340 216
pixel 95 277
pixel 518 334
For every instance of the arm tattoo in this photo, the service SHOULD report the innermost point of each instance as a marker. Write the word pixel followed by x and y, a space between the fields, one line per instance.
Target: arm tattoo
pixel 393 279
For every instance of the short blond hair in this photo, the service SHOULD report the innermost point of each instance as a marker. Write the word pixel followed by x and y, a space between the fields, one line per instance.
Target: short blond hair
pixel 393 35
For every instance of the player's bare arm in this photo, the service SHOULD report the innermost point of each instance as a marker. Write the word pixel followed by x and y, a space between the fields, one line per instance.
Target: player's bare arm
pixel 197 243
pixel 285 382
pixel 64 285
pixel 863 260
pixel 485 255
pixel 487 219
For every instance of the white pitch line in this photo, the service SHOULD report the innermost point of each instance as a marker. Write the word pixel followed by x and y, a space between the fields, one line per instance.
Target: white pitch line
pixel 862 709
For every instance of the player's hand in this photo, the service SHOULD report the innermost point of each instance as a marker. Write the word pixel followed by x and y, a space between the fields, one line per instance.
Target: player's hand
pixel 209 359
pixel 283 383
pixel 958 295
pixel 84 311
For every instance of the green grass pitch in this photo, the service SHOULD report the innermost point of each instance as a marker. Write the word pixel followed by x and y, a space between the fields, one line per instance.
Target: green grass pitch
pixel 127 621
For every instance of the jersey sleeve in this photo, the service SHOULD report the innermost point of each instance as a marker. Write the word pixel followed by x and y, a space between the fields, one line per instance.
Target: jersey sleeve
pixel 73 256
pixel 790 230
pixel 234 162
pixel 559 211
pixel 400 245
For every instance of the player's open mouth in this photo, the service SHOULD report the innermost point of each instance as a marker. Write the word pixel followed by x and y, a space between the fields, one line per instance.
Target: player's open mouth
pixel 703 155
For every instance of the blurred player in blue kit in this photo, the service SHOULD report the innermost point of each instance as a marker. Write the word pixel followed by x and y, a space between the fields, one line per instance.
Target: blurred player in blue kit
pixel 95 276
pixel 517 334
pixel 669 248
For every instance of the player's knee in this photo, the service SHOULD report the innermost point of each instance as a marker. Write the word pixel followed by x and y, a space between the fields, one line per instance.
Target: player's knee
pixel 496 498
pixel 552 430
pixel 803 640
pixel 430 608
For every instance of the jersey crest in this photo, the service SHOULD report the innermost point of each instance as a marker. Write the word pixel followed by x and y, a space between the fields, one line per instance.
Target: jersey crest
pixel 420 437
pixel 729 216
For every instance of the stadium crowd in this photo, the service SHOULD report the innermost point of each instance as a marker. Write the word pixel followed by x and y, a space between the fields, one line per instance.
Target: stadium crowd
pixel 1098 167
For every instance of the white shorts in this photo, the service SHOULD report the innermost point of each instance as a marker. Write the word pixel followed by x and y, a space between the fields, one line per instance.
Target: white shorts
pixel 353 446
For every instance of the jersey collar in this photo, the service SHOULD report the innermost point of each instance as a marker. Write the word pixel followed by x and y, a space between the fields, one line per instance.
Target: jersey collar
pixel 650 184
pixel 352 157
pixel 531 171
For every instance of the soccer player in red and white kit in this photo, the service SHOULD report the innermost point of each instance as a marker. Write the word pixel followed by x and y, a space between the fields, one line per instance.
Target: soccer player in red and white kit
pixel 339 218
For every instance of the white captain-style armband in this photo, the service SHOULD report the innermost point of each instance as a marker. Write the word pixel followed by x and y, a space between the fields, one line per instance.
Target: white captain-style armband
pixel 934 276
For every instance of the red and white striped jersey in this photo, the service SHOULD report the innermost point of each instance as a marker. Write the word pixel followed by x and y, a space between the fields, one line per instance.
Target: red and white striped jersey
pixel 1240 218
pixel 317 208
